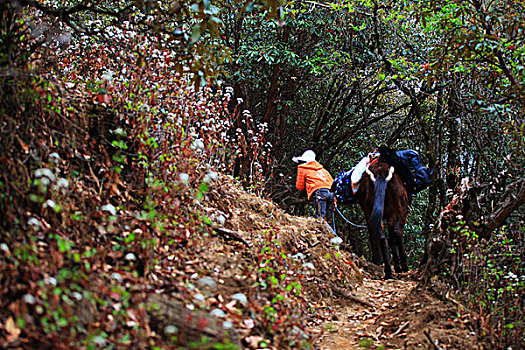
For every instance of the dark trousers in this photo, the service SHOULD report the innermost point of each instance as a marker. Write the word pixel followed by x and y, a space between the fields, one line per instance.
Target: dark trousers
pixel 323 199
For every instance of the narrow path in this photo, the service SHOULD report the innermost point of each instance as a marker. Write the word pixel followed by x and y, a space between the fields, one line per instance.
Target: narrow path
pixel 404 316
pixel 355 325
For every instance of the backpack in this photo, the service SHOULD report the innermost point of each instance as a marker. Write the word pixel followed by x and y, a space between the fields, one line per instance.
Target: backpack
pixel 420 175
pixel 342 188
pixel 415 176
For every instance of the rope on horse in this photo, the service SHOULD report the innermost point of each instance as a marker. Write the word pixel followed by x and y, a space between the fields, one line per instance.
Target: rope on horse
pixel 350 222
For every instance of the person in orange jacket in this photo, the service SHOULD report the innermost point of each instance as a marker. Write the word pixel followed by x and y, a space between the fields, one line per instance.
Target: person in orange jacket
pixel 316 180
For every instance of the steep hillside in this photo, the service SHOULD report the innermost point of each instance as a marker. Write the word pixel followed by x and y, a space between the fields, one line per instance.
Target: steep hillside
pixel 260 278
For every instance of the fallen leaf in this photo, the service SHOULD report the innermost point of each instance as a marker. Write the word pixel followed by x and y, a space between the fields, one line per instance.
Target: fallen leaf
pixel 248 323
pixel 253 341
pixel 12 330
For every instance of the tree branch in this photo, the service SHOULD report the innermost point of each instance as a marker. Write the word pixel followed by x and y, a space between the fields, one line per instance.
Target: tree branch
pixel 510 204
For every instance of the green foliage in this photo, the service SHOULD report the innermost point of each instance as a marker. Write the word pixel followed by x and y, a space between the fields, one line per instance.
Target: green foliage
pixel 369 344
pixel 279 274
pixel 491 282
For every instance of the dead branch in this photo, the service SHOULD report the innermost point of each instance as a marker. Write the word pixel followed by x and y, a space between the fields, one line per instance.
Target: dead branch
pixel 310 244
pixel 347 295
pixel 454 301
pixel 433 342
pixel 403 326
pixel 506 207
pixel 236 236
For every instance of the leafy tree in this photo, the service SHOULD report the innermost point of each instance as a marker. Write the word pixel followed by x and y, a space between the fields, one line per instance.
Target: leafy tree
pixel 445 78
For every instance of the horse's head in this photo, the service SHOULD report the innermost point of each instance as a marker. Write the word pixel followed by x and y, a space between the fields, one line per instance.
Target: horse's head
pixel 380 169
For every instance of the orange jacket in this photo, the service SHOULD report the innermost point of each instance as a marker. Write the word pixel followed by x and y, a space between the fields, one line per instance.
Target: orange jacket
pixel 312 176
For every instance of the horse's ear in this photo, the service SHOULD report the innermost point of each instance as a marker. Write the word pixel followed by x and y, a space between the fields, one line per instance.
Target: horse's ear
pixel 390 173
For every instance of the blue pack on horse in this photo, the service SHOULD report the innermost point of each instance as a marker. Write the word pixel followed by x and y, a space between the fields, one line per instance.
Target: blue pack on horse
pixel 383 195
pixel 414 175
pixel 342 188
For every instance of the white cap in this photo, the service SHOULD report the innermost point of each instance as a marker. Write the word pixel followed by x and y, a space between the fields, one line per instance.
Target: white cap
pixel 308 156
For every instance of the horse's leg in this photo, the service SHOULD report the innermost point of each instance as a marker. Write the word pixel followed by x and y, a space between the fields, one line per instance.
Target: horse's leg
pixel 375 249
pixel 385 253
pixel 394 245
pixel 403 255
pixel 397 218
pixel 399 234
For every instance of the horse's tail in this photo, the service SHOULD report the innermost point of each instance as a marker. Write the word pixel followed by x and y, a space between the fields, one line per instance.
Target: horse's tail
pixel 379 200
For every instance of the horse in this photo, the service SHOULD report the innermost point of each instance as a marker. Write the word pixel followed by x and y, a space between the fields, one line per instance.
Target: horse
pixel 382 195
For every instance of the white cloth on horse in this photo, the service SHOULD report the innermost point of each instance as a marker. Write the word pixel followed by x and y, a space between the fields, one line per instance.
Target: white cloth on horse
pixel 359 169
pixel 357 173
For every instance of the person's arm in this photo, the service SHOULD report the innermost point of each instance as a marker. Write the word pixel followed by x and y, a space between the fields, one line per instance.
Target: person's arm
pixel 330 178
pixel 300 185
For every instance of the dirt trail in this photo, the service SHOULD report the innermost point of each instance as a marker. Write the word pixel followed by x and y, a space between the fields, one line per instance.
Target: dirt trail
pixel 404 316
pixel 354 307
pixel 357 324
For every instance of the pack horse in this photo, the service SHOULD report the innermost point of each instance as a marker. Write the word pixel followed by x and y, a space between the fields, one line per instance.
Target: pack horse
pixel 383 197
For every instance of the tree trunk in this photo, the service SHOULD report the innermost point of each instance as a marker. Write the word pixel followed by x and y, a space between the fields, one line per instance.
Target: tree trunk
pixel 461 216
pixel 272 93
pixel 454 142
